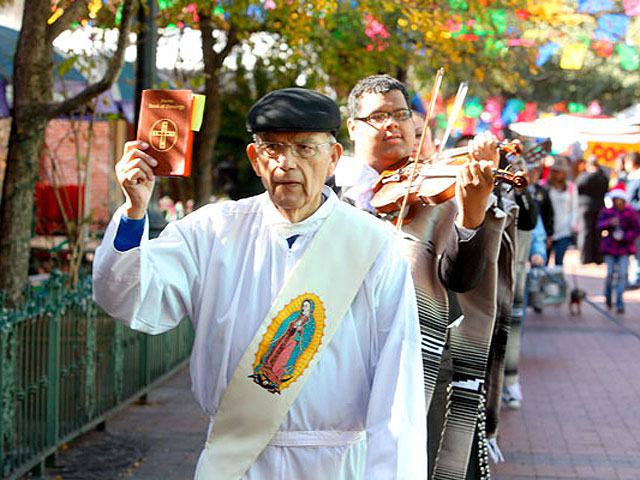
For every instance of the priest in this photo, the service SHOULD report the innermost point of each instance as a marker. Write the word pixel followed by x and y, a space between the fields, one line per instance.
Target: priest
pixel 307 349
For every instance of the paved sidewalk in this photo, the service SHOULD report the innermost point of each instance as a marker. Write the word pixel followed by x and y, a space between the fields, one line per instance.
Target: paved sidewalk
pixel 581 383
pixel 580 418
pixel 160 440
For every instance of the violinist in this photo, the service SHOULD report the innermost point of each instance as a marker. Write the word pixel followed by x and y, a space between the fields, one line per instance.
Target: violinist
pixel 383 132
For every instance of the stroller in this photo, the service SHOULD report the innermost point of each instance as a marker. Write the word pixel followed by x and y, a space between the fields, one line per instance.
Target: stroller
pixel 546 286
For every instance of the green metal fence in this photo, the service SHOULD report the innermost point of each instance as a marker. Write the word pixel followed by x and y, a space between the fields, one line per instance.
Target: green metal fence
pixel 65 366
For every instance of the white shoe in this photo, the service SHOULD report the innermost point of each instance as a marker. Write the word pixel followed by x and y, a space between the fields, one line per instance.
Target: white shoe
pixel 512 396
pixel 494 451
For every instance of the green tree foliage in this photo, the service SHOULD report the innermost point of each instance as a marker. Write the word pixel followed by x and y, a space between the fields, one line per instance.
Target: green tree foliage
pixel 599 80
pixel 328 45
pixel 494 68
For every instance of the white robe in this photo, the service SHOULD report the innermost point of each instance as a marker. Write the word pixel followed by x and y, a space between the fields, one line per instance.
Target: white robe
pixel 223 266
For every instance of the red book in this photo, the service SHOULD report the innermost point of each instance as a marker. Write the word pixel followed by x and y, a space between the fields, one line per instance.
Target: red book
pixel 167 121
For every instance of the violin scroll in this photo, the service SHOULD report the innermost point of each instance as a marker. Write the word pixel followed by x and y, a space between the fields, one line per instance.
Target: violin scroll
pixel 517 180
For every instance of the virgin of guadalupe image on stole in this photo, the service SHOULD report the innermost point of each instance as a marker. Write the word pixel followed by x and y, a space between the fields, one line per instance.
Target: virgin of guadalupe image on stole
pixel 289 344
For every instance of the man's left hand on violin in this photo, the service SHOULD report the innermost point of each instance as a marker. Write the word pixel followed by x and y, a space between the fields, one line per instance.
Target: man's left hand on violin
pixel 475 180
pixel 485 147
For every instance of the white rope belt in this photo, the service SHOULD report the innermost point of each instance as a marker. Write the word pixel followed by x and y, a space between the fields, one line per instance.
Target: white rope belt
pixel 316 438
pixel 311 438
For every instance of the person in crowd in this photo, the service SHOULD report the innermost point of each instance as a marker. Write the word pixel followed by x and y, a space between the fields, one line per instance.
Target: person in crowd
pixel 546 164
pixel 620 227
pixel 537 256
pixel 428 148
pixel 527 220
pixel 167 207
pixel 541 196
pixel 592 185
pixel 620 171
pixel 578 167
pixel 445 255
pixel 564 199
pixel 632 165
pixel 307 346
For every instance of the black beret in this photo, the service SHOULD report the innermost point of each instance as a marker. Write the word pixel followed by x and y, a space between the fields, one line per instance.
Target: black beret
pixel 294 110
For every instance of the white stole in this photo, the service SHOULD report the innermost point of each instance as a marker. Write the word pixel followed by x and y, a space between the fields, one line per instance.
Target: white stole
pixel 290 341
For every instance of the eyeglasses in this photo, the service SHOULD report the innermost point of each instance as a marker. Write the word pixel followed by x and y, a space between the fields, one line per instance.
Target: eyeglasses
pixel 300 150
pixel 380 118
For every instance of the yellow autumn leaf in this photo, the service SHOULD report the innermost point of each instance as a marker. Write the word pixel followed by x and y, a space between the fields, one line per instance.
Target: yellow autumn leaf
pixel 633 32
pixel 573 56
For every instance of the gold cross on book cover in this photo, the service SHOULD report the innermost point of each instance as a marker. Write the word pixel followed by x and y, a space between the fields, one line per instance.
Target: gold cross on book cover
pixel 168 119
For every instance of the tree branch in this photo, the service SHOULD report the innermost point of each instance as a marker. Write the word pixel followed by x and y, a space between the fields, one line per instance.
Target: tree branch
pixel 206 30
pixel 70 15
pixel 232 41
pixel 213 60
pixel 113 69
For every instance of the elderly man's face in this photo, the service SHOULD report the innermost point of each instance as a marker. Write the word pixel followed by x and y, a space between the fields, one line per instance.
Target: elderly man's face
pixel 294 175
pixel 382 145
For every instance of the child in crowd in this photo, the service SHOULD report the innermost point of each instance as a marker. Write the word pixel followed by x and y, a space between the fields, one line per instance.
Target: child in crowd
pixel 620 226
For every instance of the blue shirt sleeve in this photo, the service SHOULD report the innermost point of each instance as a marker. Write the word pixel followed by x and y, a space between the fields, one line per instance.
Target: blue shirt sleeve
pixel 538 240
pixel 129 233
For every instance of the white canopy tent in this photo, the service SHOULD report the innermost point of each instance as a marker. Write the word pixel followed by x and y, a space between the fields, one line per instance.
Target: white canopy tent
pixel 578 128
pixel 630 115
pixel 604 137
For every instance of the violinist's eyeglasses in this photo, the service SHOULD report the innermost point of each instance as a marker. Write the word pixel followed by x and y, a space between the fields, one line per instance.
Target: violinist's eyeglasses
pixel 300 150
pixel 380 118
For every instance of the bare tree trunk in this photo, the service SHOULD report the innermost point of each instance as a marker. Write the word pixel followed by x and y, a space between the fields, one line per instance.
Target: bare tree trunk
pixel 208 135
pixel 33 107
pixel 33 84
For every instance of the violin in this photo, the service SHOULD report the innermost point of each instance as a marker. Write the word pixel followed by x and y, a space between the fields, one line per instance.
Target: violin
pixel 435 182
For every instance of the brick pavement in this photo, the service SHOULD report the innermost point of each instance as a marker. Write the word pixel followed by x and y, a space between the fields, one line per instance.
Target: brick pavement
pixel 580 417
pixel 581 383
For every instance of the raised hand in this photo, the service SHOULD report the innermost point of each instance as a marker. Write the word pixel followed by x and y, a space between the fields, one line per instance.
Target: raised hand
pixel 474 184
pixel 485 147
pixel 475 180
pixel 135 176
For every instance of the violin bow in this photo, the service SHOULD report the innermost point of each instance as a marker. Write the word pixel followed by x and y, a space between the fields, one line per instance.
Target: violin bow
pixel 432 105
pixel 455 110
